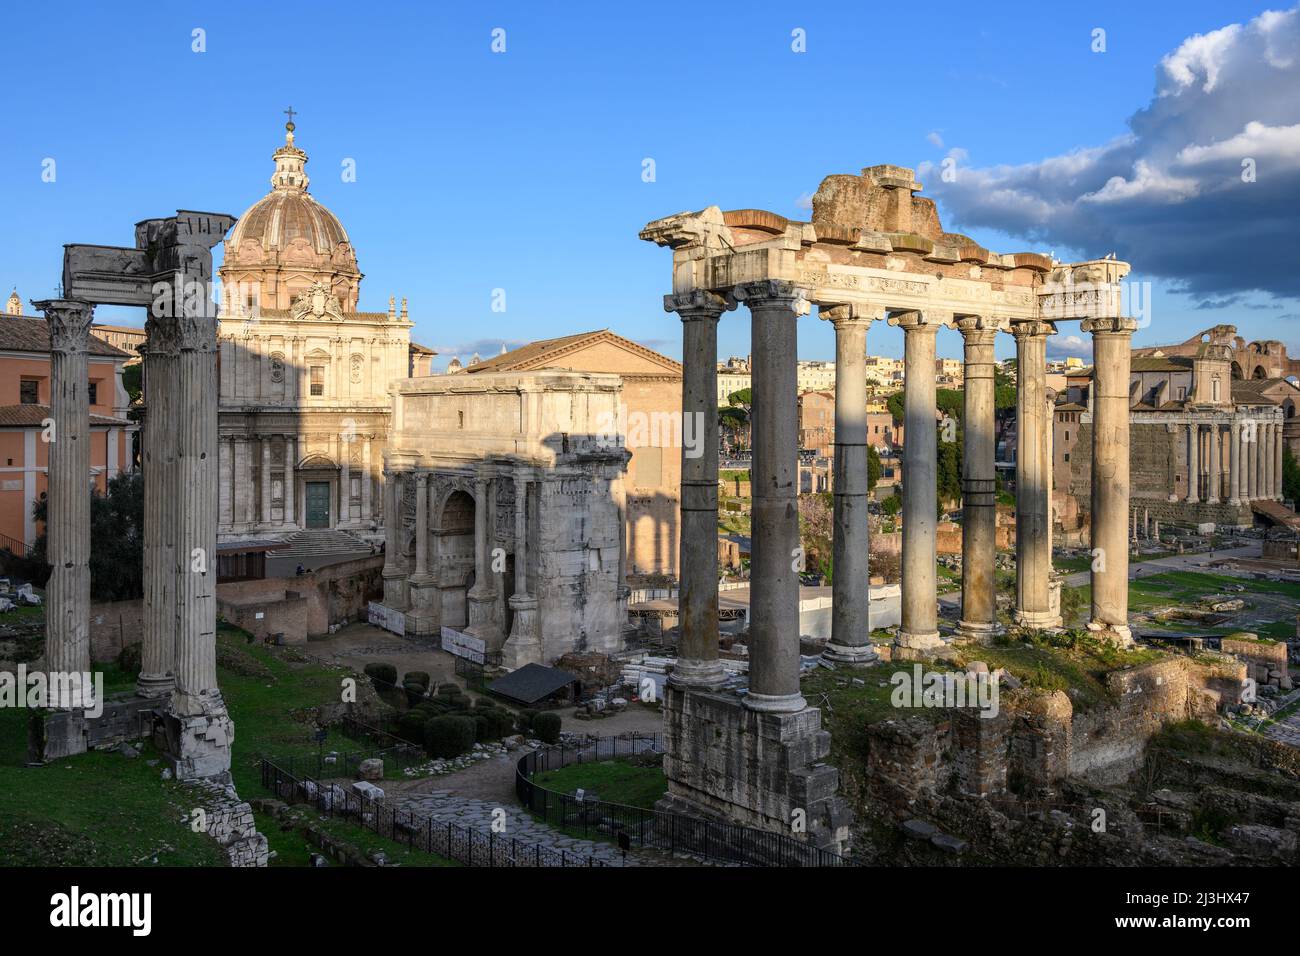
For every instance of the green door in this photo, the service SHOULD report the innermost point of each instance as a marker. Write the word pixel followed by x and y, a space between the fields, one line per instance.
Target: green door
pixel 318 504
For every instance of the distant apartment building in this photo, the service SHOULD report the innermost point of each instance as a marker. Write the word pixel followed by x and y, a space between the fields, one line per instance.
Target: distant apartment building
pixel 733 376
pixel 815 377
pixel 25 410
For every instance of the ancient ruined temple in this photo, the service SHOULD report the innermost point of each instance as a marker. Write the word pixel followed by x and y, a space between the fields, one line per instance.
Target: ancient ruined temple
pixel 874 250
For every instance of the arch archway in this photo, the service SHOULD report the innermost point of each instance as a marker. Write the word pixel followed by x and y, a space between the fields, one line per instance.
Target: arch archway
pixel 454 540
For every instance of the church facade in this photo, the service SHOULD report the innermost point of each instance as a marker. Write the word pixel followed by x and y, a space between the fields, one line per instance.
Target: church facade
pixel 304 376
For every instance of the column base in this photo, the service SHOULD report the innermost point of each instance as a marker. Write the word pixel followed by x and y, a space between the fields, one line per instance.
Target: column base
pixel 1118 634
pixel 921 641
pixel 855 655
pixel 155 685
pixel 977 632
pixel 1038 620
pixel 1235 502
pixel 774 703
pixel 523 646
pixel 698 675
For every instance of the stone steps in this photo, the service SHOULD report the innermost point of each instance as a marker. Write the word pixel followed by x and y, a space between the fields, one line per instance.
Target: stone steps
pixel 314 544
pixel 1276 512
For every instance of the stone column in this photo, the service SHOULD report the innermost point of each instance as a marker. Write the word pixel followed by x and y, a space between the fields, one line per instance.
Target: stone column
pixel 775 307
pixel 697 648
pixel 266 480
pixel 481 595
pixel 1033 495
pixel 850 641
pixel 290 460
pixel 919 631
pixel 1277 461
pixel 67 523
pixel 523 646
pixel 195 503
pixel 367 479
pixel 1193 463
pixel 979 482
pixel 158 641
pixel 1110 475
pixel 345 481
pixel 1234 464
pixel 421 525
pixel 394 574
pixel 1216 477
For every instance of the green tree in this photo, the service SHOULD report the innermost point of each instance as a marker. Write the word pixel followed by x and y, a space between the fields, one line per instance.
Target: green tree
pixel 1004 389
pixel 744 398
pixel 874 468
pixel 1290 475
pixel 892 505
pixel 895 405
pixel 948 473
pixel 132 381
pixel 116 538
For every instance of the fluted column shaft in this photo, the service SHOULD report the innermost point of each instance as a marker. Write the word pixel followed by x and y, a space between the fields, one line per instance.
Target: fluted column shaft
pixel 1033 496
pixel 775 307
pixel 422 524
pixel 979 480
pixel 394 573
pixel 266 480
pixel 1234 464
pixel 1252 459
pixel 195 504
pixel 920 621
pixel 1216 477
pixel 290 459
pixel 1193 463
pixel 158 643
pixel 1110 475
pixel 1277 460
pixel 697 648
pixel 67 521
pixel 850 641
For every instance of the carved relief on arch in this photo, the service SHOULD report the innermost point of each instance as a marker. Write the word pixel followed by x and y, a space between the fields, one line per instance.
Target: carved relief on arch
pixel 445 485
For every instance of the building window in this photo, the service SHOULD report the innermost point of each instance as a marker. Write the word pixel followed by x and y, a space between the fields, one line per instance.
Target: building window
pixel 318 379
pixel 94 393
pixel 29 391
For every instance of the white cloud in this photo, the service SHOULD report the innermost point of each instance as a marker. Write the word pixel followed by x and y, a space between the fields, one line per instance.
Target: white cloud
pixel 934 139
pixel 1169 195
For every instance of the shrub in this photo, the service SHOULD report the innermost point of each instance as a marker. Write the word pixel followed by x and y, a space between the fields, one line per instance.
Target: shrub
pixel 130 659
pixel 382 675
pixel 546 727
pixel 411 726
pixel 414 692
pixel 448 736
pixel 525 720
pixel 417 677
pixel 482 727
pixel 451 687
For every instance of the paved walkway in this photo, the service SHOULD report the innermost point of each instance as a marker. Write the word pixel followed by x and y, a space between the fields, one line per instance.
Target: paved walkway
pixel 1286 730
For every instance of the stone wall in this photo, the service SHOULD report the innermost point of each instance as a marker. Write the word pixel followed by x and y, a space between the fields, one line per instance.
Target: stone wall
pixel 282 613
pixel 724 760
pixel 1265 660
pixel 229 821
pixel 113 625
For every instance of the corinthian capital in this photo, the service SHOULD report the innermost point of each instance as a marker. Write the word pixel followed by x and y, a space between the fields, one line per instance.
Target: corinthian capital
pixel 69 321
pixel 698 303
pixel 1033 328
pixel 773 292
pixel 849 313
pixel 1110 325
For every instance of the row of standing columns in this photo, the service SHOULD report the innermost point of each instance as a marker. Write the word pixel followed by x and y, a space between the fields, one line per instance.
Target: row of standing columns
pixel 180 439
pixel 1245 454
pixel 774 599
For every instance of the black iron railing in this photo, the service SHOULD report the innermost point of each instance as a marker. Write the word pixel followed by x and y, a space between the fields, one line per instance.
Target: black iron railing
pixel 418 832
pixel 712 840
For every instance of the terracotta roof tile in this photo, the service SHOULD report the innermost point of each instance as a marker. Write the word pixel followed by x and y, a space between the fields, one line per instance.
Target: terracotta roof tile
pixel 27 416
pixel 33 335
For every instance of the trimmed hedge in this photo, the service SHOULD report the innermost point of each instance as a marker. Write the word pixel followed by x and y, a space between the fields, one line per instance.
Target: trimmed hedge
pixel 383 675
pixel 417 677
pixel 546 727
pixel 449 736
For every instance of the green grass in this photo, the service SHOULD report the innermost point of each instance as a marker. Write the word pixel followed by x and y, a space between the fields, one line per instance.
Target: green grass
pixel 22 615
pixel 96 809
pixel 613 781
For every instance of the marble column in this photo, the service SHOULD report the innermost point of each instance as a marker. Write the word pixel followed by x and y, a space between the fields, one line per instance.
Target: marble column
pixel 481 596
pixel 775 307
pixel 290 479
pixel 1216 478
pixel 266 480
pixel 1193 464
pixel 1033 459
pixel 1234 464
pixel 1278 428
pixel 523 647
pixel 697 648
pixel 367 479
pixel 919 631
pixel 345 482
pixel 394 574
pixel 195 504
pixel 421 525
pixel 979 481
pixel 67 523
pixel 850 641
pixel 1252 458
pixel 158 640
pixel 1111 338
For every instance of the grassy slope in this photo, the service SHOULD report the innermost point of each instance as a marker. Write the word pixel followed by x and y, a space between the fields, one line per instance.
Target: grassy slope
pixel 613 781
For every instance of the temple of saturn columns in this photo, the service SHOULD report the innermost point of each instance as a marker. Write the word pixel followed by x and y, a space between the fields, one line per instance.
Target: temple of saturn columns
pixel 874 250
pixel 169 273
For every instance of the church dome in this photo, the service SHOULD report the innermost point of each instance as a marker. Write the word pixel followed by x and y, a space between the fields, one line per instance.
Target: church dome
pixel 287 242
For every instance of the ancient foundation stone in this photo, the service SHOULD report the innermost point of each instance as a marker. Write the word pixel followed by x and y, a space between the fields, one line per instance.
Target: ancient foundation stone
pixel 755 768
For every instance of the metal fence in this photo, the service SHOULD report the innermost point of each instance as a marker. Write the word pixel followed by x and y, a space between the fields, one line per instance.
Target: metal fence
pixel 712 840
pixel 418 832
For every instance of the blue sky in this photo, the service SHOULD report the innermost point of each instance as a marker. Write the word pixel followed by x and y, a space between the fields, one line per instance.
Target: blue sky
pixel 522 170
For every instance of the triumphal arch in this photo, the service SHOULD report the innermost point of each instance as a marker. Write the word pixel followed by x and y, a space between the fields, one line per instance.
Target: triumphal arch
pixel 874 251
